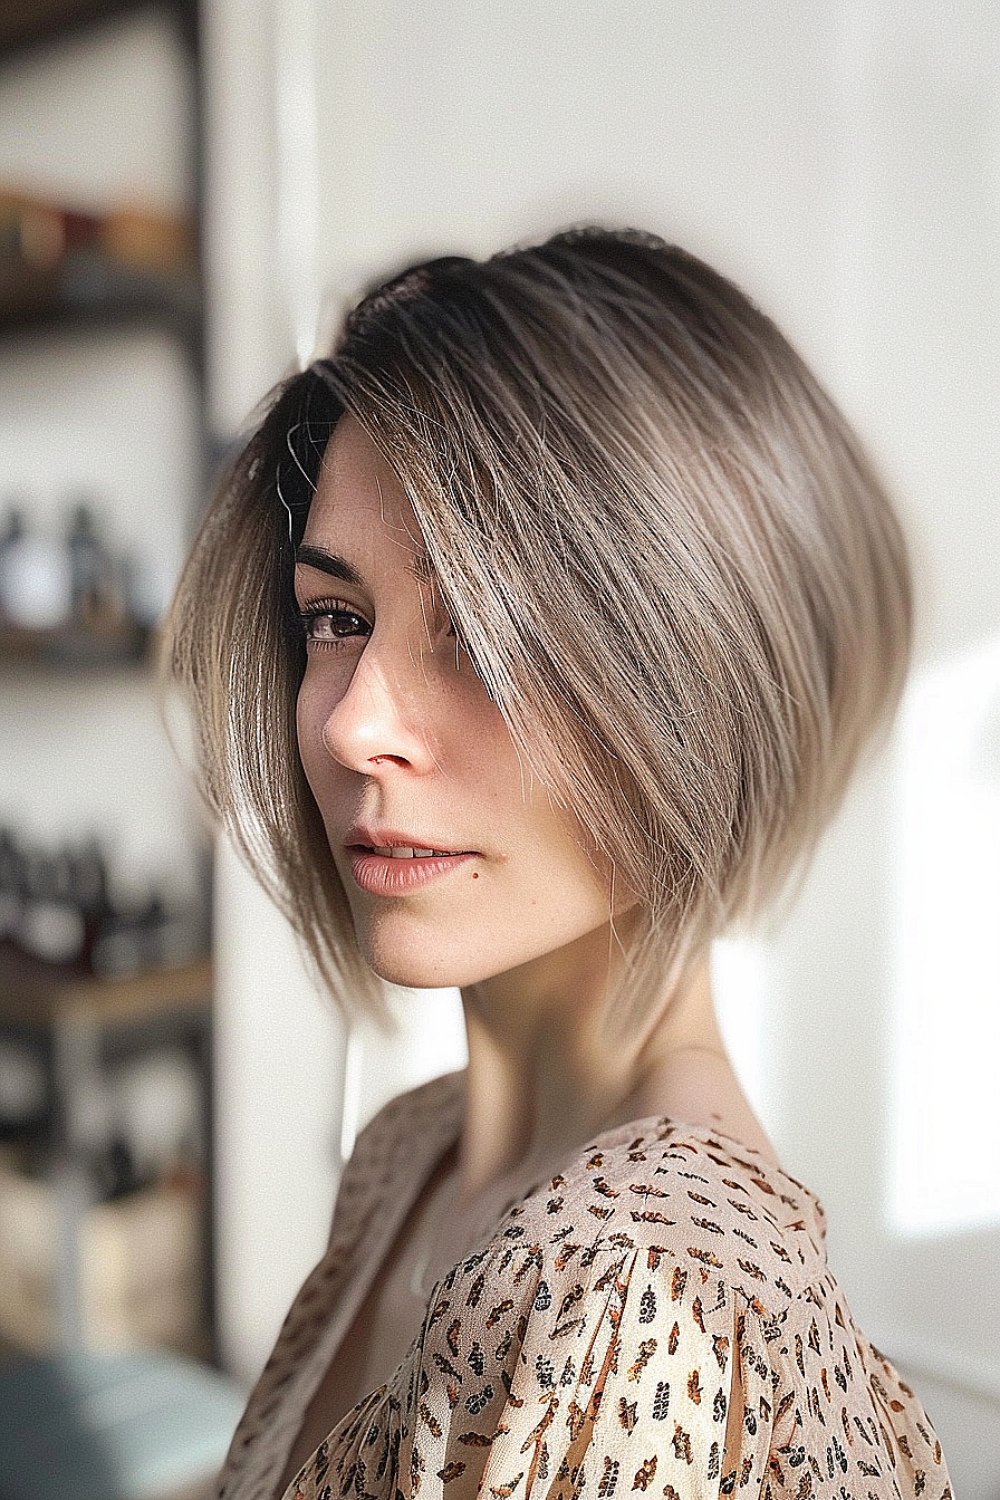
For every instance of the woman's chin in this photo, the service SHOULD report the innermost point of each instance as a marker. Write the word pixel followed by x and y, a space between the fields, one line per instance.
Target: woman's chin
pixel 417 971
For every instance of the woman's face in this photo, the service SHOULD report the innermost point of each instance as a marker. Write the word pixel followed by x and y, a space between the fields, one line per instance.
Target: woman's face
pixel 456 865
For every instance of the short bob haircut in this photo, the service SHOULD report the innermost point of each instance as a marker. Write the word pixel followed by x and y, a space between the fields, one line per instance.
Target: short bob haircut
pixel 663 548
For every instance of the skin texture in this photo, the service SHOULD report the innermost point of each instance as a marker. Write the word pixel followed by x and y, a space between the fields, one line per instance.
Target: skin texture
pixel 396 732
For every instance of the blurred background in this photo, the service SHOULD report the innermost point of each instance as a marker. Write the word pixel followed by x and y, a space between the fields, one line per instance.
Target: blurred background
pixel 189 194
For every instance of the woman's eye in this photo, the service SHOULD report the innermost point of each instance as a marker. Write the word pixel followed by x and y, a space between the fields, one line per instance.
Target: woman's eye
pixel 330 625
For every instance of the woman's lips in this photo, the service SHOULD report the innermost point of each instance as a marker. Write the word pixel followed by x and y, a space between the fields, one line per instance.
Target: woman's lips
pixel 394 875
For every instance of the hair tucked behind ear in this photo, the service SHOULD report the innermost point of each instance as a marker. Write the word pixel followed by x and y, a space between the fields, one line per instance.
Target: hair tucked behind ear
pixel 664 550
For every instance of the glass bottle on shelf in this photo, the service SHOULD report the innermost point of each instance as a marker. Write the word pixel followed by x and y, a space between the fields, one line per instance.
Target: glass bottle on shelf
pixel 35 587
pixel 90 889
pixel 88 566
pixel 11 885
pixel 51 926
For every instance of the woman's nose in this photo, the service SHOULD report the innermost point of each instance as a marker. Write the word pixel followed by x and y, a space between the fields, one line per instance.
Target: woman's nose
pixel 381 718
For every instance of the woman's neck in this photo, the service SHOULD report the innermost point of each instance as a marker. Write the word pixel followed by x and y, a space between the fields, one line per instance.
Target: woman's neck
pixel 542 1080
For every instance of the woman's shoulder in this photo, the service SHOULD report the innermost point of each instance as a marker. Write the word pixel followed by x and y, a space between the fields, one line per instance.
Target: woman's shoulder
pixel 665 1303
pixel 694 1201
pixel 685 1194
pixel 661 1306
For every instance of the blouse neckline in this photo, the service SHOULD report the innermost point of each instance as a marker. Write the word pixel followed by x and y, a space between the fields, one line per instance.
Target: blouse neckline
pixel 441 1103
pixel 656 1127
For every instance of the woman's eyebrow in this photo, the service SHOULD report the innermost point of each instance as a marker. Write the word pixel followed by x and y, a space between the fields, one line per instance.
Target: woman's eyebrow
pixel 327 562
pixel 311 556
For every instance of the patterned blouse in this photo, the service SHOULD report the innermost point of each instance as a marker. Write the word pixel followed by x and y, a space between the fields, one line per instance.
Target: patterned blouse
pixel 657 1319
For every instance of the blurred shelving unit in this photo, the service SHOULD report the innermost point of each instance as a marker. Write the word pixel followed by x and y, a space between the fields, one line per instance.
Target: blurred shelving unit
pixel 64 651
pixel 102 1268
pixel 107 1274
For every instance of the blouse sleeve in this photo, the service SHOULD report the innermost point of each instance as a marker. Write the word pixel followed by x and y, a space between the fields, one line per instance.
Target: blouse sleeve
pixel 612 1372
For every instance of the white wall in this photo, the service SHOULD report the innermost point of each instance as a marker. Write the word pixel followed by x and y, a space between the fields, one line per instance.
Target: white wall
pixel 841 161
pixel 468 126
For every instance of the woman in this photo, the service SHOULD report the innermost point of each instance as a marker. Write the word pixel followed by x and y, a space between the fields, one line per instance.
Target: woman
pixel 532 640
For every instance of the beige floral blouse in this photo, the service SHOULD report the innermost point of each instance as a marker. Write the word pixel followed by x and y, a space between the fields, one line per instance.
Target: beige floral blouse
pixel 659 1318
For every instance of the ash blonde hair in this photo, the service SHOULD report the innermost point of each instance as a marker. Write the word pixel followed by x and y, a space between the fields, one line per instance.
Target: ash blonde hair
pixel 663 547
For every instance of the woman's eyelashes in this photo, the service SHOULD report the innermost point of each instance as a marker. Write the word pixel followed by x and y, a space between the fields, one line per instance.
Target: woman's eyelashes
pixel 331 622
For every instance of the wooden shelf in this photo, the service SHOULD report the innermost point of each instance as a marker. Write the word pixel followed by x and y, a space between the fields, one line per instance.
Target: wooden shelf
pixel 72 650
pixel 33 994
pixel 91 291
